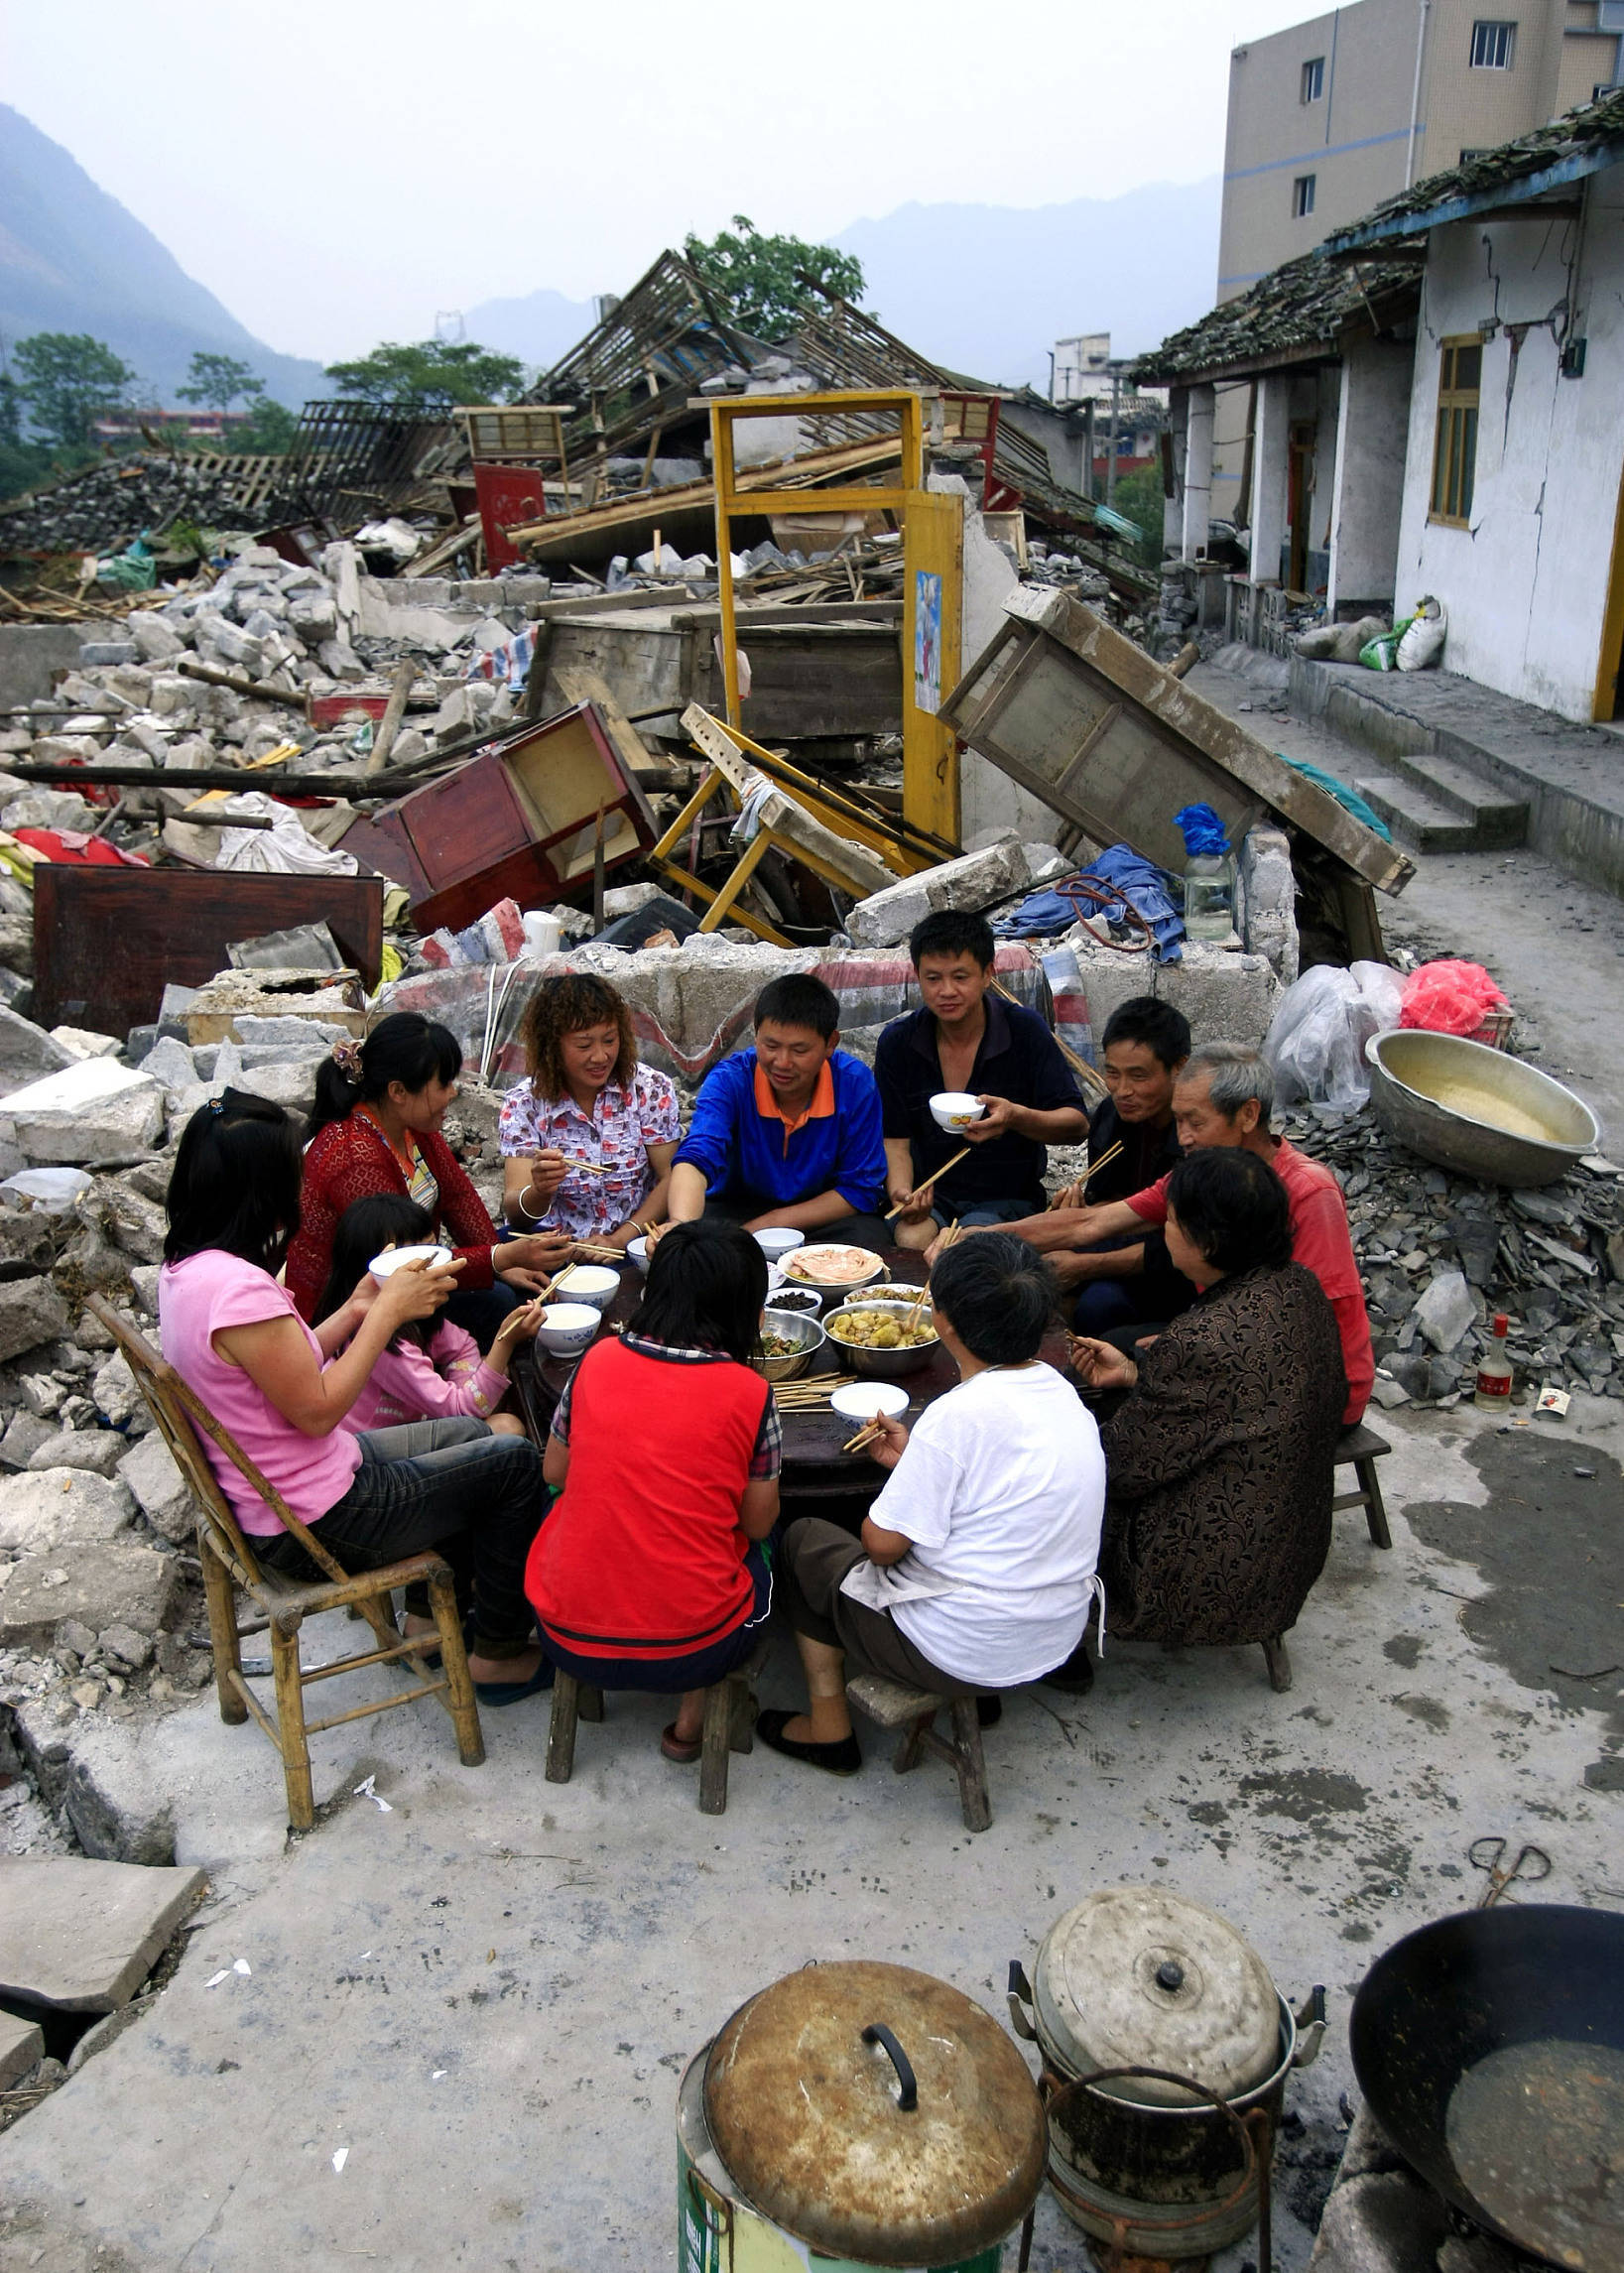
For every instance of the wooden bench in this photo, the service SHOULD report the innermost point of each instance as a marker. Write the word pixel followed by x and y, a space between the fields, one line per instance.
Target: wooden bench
pixel 1360 1449
pixel 915 1711
pixel 283 1603
pixel 729 1725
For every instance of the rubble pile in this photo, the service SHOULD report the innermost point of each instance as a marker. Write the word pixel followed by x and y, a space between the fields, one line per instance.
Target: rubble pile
pixel 106 506
pixel 1441 1254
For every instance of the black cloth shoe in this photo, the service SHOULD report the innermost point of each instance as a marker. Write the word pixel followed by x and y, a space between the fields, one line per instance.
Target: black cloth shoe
pixel 1075 1675
pixel 842 1759
pixel 989 1711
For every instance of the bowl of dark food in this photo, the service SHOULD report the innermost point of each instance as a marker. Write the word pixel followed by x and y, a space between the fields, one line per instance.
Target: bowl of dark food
pixel 790 1340
pixel 884 1335
pixel 800 1300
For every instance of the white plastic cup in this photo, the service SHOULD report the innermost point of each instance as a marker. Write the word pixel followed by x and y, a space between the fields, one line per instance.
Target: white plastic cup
pixel 544 933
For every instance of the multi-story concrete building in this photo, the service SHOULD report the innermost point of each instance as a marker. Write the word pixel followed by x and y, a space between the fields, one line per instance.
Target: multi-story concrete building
pixel 1331 117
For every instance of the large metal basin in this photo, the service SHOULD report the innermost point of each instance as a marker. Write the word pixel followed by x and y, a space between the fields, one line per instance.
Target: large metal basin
pixel 1439 1094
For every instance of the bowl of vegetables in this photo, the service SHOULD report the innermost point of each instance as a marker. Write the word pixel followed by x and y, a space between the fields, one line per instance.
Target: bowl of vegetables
pixel 884 1335
pixel 790 1340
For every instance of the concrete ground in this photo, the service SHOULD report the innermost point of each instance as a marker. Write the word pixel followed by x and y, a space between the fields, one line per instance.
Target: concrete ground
pixel 466 2013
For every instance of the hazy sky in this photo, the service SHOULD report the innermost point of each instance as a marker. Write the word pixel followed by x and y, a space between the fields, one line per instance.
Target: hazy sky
pixel 342 171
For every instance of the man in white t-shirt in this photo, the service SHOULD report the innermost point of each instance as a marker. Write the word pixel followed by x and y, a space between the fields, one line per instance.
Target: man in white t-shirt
pixel 975 1567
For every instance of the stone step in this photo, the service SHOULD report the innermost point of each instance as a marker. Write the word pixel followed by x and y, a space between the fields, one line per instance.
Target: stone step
pixel 1499 822
pixel 1421 821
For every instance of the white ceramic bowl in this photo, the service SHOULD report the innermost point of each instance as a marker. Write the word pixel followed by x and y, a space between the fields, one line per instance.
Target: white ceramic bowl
pixel 593 1284
pixel 955 1109
pixel 637 1251
pixel 862 1400
pixel 567 1328
pixel 396 1259
pixel 777 1243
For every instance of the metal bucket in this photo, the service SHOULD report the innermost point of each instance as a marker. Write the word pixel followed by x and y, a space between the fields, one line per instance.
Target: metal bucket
pixel 719 2232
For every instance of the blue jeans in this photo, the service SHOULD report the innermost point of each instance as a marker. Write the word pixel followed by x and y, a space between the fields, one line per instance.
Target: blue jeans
pixel 446 1484
pixel 668 1676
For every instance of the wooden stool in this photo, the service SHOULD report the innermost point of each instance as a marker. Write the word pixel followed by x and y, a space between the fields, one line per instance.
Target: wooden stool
pixel 915 1711
pixel 729 1722
pixel 1279 1663
pixel 1360 1447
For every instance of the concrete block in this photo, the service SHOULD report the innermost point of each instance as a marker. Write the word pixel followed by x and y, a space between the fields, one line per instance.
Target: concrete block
pixel 40 807
pixel 153 638
pixel 136 1223
pixel 144 1278
pixel 171 1063
pixel 1446 1310
pixel 1266 891
pixel 82 1934
pixel 124 1647
pixel 1226 997
pixel 27 1051
pixel 96 1451
pixel 118 1803
pixel 32 1311
pixel 115 1392
pixel 105 1582
pixel 79 1042
pixel 21 2047
pixel 972 881
pixel 24 1434
pixel 94 1110
pixel 27 1237
pixel 161 1491
pixel 31 654
pixel 222 640
pixel 52 1507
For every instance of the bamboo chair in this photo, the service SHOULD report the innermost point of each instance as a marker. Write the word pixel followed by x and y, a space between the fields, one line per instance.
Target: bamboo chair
pixel 284 1603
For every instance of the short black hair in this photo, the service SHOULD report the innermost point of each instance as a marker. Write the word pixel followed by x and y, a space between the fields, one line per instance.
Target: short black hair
pixel 1164 1031
pixel 798 999
pixel 952 931
pixel 236 1180
pixel 365 1228
pixel 706 1284
pixel 998 1294
pixel 1232 1206
pixel 406 1047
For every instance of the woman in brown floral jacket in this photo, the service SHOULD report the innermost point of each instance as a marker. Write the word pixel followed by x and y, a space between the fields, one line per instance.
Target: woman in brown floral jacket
pixel 1219 1459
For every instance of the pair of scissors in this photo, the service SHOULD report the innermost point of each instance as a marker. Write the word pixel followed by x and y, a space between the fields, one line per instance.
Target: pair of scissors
pixel 1532 1864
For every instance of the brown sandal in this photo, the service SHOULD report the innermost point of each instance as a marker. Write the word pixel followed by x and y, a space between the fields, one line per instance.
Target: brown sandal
pixel 685 1750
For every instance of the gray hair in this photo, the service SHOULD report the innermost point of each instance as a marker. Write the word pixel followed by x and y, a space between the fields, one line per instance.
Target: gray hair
pixel 1235 1073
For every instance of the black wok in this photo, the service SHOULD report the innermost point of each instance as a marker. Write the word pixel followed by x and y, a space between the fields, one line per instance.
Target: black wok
pixel 1490 2047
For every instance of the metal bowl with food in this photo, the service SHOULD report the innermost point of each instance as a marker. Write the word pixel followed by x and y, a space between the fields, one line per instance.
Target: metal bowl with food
pixel 790 1340
pixel 882 1337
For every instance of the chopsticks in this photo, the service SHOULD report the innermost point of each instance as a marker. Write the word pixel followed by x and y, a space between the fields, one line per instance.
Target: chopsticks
pixel 865 1437
pixel 964 1153
pixel 586 1167
pixel 1094 1166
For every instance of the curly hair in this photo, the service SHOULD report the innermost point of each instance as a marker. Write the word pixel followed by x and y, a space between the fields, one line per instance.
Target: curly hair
pixel 561 1006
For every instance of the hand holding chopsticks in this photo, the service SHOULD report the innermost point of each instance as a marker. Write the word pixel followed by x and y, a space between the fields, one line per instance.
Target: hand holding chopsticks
pixel 920 1191
pixel 1073 1195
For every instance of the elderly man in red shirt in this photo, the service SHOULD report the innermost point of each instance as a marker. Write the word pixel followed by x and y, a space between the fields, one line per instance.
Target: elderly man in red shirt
pixel 1225 1095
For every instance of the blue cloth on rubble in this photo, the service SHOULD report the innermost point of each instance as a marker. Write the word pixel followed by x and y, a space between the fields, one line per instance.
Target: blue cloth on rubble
pixel 1140 883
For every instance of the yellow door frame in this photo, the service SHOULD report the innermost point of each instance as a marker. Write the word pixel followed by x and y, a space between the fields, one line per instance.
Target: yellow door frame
pixel 1609 695
pixel 931 549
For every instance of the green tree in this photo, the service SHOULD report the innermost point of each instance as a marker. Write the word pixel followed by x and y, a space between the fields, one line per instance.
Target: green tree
pixel 216 381
pixel 266 431
pixel 1139 497
pixel 432 375
pixel 763 281
pixel 10 411
pixel 67 379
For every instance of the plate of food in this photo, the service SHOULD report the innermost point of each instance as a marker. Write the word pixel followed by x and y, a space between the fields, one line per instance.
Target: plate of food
pixel 832 1267
pixel 867 1400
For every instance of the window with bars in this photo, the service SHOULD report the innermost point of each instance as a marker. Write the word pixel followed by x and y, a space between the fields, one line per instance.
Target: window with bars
pixel 1454 454
pixel 1313 79
pixel 1302 196
pixel 1494 44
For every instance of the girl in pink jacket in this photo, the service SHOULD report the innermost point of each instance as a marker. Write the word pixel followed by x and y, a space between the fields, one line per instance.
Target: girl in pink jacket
pixel 432 1370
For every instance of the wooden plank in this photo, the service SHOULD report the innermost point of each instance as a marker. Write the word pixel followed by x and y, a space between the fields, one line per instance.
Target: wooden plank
pixel 106 939
pixel 1166 748
pixel 578 687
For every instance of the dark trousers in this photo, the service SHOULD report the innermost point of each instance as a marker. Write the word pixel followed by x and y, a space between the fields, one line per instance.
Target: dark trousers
pixel 1148 1300
pixel 668 1676
pixel 446 1484
pixel 816 1557
pixel 871 1231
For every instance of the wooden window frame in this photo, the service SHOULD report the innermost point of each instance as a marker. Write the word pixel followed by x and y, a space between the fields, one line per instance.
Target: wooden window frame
pixel 1483 30
pixel 1312 84
pixel 1302 196
pixel 1454 435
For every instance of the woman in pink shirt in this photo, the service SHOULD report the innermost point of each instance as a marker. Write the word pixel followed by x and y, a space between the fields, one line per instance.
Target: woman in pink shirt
pixel 236 1337
pixel 432 1369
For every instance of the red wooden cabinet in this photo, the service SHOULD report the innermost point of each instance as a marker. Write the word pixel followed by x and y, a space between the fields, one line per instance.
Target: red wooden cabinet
pixel 518 821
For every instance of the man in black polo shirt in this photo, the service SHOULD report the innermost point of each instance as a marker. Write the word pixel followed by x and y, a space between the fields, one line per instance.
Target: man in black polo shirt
pixel 969 1038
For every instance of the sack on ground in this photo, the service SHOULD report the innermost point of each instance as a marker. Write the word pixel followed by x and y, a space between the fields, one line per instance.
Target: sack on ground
pixel 1316 1043
pixel 1423 644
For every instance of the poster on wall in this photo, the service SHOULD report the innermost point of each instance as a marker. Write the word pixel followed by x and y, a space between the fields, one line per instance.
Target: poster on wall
pixel 926 641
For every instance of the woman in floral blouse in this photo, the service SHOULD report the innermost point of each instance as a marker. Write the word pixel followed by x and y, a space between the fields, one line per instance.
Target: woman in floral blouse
pixel 586 1100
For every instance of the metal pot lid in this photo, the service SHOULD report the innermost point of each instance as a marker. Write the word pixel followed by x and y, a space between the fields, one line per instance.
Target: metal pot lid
pixel 1138 1976
pixel 809 2111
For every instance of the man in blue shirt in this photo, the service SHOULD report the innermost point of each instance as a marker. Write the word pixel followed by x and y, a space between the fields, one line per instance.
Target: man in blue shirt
pixel 967 1037
pixel 788 1134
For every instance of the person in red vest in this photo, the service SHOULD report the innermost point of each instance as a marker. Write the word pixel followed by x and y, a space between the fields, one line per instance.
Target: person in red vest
pixel 650 1572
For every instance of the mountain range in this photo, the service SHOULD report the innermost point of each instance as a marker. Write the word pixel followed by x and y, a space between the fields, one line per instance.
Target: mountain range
pixel 984 290
pixel 73 259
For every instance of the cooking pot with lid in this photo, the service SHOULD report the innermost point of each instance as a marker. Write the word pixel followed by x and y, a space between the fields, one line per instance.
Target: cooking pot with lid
pixel 853 2116
pixel 1166 2050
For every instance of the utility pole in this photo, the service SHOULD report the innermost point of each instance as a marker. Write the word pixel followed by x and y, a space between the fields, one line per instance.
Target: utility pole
pixel 1116 407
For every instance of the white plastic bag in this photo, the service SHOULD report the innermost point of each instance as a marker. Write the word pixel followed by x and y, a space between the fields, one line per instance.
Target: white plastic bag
pixel 1423 643
pixel 54 1190
pixel 1316 1043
